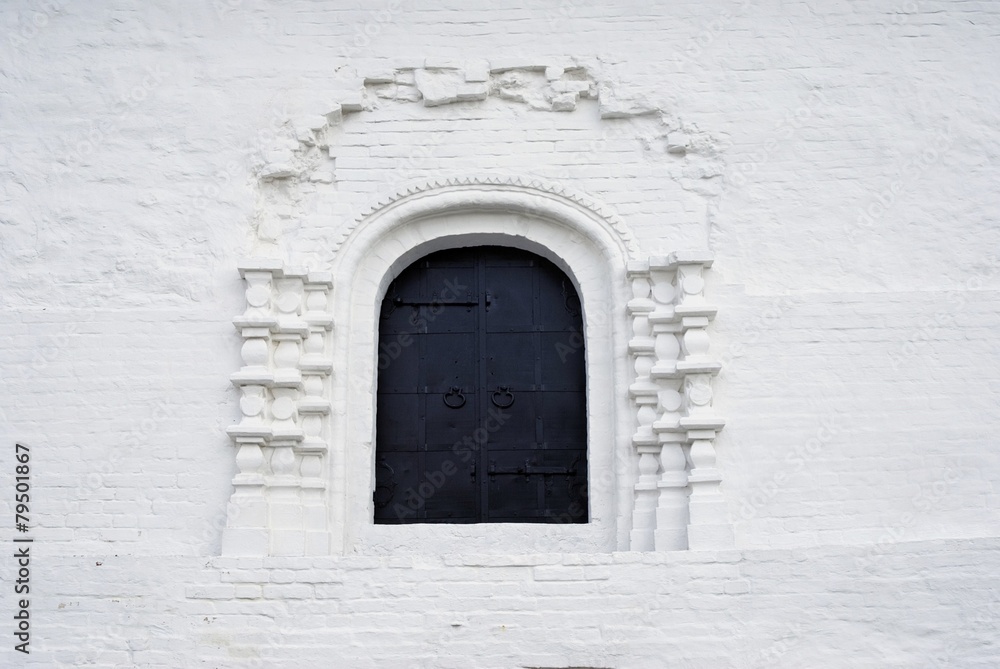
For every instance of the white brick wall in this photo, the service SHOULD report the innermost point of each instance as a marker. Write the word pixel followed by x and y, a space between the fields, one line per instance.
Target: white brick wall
pixel 819 607
pixel 839 162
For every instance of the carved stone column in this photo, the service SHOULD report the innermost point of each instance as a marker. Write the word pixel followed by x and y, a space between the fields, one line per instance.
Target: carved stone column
pixel 671 508
pixel 675 508
pixel 644 396
pixel 709 526
pixel 285 503
pixel 246 517
pixel 316 367
pixel 279 506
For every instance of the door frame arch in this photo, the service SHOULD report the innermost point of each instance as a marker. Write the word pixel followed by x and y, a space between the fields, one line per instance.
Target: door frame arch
pixel 594 255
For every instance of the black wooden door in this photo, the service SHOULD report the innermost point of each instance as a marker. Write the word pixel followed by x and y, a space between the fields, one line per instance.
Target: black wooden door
pixel 481 412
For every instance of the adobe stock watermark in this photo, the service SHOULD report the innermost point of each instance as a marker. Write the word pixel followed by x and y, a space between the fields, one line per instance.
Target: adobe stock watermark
pixel 414 499
pixel 451 293
pixel 406 169
pixel 931 328
pixel 909 174
pixel 100 132
pixel 262 20
pixel 135 439
pixel 899 17
pixel 794 462
pixel 211 189
pixel 377 20
pixel 48 348
pixel 556 16
pixel 975 633
pixel 792 122
pixel 765 320
pixel 412 166
pixel 769 656
pixel 923 502
pixel 574 513
pixel 31 26
pixel 707 36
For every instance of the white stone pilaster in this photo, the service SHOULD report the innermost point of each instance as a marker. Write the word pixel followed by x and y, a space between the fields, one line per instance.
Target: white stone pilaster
pixel 672 396
pixel 314 408
pixel 671 507
pixel 644 398
pixel 709 526
pixel 279 504
pixel 285 519
pixel 246 517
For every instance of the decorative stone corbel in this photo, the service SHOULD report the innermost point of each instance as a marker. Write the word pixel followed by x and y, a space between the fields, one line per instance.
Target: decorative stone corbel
pixel 676 507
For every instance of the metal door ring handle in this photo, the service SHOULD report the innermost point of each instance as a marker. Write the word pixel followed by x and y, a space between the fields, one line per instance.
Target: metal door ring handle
pixel 385 491
pixel 502 397
pixel 459 398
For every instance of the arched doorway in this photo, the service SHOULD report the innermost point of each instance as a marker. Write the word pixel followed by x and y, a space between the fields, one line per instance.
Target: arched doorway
pixel 481 409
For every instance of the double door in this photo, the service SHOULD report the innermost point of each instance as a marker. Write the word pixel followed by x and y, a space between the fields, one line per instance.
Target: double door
pixel 481 411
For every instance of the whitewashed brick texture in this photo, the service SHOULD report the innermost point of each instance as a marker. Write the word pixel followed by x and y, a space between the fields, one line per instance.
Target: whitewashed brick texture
pixel 839 159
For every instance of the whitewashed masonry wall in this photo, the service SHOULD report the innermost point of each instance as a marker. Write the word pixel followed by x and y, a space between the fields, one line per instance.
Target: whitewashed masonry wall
pixel 834 158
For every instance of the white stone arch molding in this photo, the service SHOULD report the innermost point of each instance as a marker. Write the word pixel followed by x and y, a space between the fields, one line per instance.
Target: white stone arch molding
pixel 305 442
pixel 593 250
